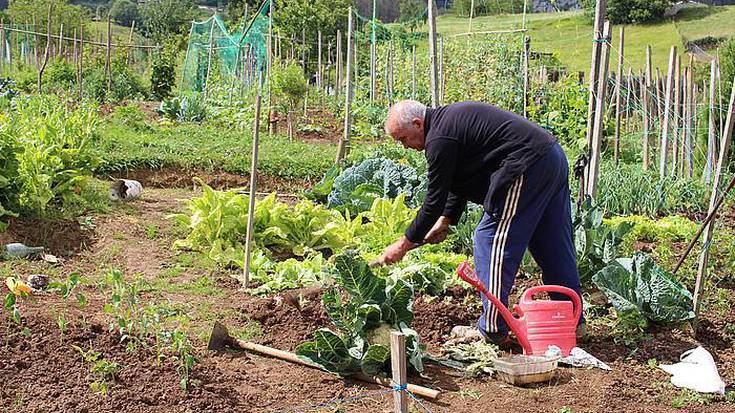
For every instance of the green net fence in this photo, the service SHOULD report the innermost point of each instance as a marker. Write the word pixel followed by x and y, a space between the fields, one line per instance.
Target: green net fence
pixel 216 56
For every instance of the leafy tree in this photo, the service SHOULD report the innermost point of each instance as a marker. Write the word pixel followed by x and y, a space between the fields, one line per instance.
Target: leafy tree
pixel 163 71
pixel 727 67
pixel 124 12
pixel 327 16
pixel 165 17
pixel 486 7
pixel 289 87
pixel 412 10
pixel 631 11
pixel 61 13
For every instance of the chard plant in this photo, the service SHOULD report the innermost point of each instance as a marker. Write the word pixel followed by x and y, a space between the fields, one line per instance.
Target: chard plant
pixel 364 309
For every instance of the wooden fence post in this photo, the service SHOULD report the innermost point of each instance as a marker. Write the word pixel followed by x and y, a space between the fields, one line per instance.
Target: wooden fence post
pixel 594 165
pixel 319 62
pixel 677 117
pixel 663 159
pixel 338 68
pixel 413 73
pixel 618 86
pixel 400 377
pixel 432 55
pixel 725 141
pixel 597 41
pixel 2 47
pixel 344 142
pixel 687 153
pixel 251 200
pixel 80 66
pixel 441 70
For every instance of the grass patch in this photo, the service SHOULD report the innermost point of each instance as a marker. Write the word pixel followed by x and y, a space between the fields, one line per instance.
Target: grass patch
pixel 209 147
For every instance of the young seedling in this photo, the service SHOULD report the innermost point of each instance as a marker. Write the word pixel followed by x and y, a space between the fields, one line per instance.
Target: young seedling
pixel 102 371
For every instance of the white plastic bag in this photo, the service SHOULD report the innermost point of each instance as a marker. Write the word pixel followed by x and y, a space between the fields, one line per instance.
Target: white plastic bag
pixel 696 371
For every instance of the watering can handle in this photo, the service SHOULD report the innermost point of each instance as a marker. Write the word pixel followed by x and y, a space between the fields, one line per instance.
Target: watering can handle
pixel 528 296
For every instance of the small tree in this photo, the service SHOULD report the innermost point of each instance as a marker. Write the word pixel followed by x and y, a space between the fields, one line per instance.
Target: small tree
pixel 161 19
pixel 124 12
pixel 163 71
pixel 289 86
pixel 631 11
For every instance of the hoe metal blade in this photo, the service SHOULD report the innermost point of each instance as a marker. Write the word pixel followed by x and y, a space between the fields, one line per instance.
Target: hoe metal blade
pixel 220 338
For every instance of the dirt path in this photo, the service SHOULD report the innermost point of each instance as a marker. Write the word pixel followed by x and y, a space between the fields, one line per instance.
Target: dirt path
pixel 41 371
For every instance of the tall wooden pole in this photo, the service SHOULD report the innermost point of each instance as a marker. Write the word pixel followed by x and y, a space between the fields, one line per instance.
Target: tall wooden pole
pixel 303 48
pixel 80 73
pixel 413 72
pixel 597 41
pixel 2 47
pixel 442 80
pixel 526 64
pixel 338 68
pixel 373 54
pixel 432 55
pixel 647 110
pixel 711 125
pixel 675 147
pixel 664 157
pixel 687 153
pixel 319 62
pixel 618 86
pixel 269 67
pixel 472 16
pixel 594 165
pixel 251 200
pixel 725 141
pixel 210 52
pixel 47 51
pixel 108 56
pixel 344 142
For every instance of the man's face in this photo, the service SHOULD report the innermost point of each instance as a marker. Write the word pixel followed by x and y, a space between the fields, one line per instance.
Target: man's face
pixel 411 137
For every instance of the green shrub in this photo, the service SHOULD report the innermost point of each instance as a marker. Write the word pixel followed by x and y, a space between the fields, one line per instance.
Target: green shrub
pixel 163 73
pixel 727 66
pixel 631 11
pixel 124 12
pixel 486 7
pixel 561 108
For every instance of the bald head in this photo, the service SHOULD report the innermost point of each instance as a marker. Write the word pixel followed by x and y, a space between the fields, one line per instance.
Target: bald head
pixel 405 123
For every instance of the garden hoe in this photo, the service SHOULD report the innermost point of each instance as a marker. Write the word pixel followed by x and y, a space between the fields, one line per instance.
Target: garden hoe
pixel 220 340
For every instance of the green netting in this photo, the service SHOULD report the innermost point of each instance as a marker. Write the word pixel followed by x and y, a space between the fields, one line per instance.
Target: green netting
pixel 218 56
pixel 16 45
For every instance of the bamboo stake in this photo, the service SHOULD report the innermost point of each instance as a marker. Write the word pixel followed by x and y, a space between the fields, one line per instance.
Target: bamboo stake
pixel 629 92
pixel 343 146
pixel 209 60
pixel 432 55
pixel 319 62
pixel 687 161
pixel 725 141
pixel 131 52
pixel 618 86
pixel 659 100
pixel 303 48
pixel 594 165
pixel 60 51
pixel 251 200
pixel 663 159
pixel 38 43
pixel 398 364
pixel 441 71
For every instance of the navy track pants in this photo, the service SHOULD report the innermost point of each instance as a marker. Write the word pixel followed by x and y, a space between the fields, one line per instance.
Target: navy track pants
pixel 534 213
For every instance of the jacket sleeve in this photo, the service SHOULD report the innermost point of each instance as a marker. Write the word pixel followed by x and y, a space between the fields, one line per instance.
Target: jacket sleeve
pixel 441 155
pixel 454 207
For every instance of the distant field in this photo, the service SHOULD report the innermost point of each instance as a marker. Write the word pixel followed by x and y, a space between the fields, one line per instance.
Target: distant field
pixel 569 34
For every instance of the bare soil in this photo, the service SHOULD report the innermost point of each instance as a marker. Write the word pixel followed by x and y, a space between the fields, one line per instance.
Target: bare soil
pixel 40 372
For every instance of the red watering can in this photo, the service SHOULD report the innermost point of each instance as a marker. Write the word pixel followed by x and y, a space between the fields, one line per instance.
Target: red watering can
pixel 540 323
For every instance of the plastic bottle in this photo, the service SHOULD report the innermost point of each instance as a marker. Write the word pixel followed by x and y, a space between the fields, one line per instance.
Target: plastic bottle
pixel 17 250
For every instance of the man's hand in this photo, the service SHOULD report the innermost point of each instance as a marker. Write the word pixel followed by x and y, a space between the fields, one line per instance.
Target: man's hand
pixel 438 232
pixel 395 251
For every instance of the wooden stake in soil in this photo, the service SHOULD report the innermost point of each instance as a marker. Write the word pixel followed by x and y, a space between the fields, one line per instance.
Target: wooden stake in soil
pixel 210 51
pixel 432 55
pixel 398 364
pixel 646 110
pixel 373 55
pixel 81 61
pixel 108 62
pixel 594 165
pixel 664 158
pixel 526 58
pixel 677 117
pixel 319 62
pixel 597 41
pixel 688 152
pixel 338 68
pixel 725 141
pixel 413 73
pixel 251 200
pixel 344 141
pixel 618 86
pixel 710 162
pixel 2 47
pixel 441 70
pixel 47 52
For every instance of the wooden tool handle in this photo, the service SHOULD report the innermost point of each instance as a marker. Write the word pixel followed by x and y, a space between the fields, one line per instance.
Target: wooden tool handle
pixel 293 358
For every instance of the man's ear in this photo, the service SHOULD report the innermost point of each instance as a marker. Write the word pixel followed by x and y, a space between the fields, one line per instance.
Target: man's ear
pixel 417 122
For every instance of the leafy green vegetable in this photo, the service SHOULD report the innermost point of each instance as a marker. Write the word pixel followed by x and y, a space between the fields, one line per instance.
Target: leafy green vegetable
pixel 638 287
pixel 358 186
pixel 595 243
pixel 373 307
